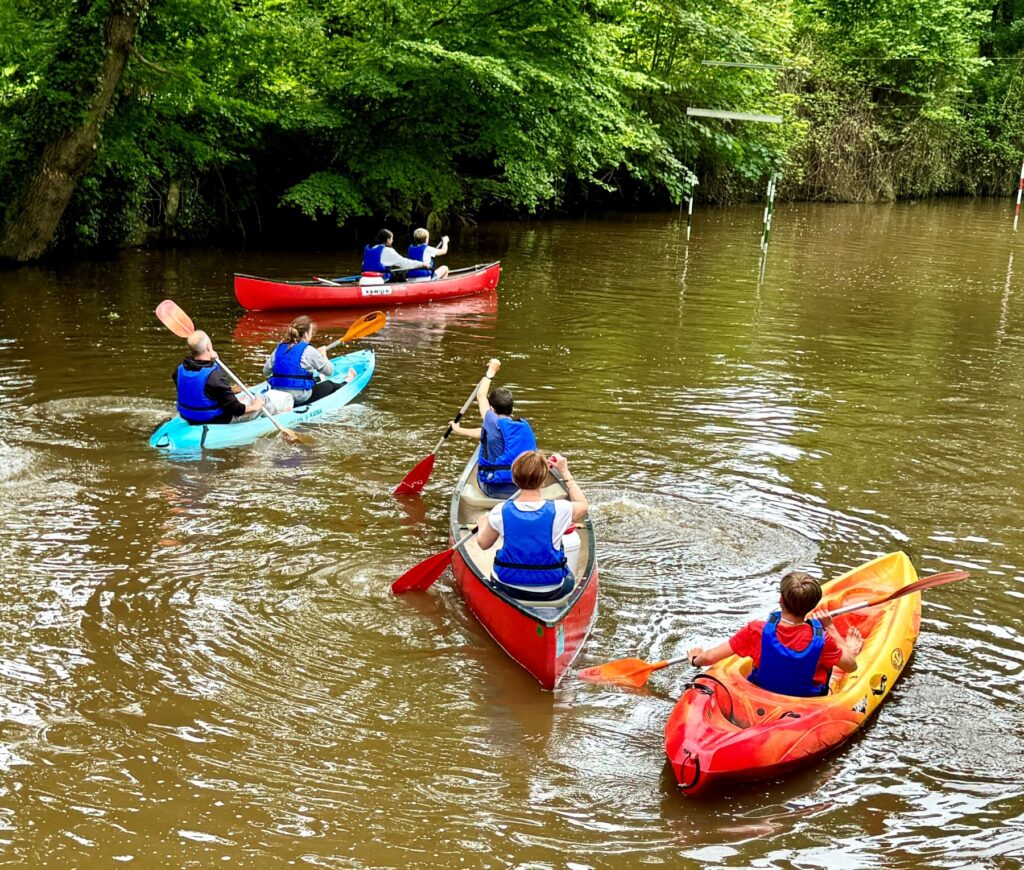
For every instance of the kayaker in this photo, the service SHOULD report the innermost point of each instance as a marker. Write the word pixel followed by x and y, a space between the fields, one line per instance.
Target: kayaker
pixel 531 564
pixel 792 654
pixel 293 365
pixel 502 438
pixel 421 249
pixel 204 391
pixel 382 259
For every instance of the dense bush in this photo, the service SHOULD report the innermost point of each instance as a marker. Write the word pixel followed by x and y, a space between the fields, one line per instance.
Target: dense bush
pixel 235 116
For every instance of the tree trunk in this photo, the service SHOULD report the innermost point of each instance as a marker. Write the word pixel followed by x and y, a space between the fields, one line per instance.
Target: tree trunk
pixel 35 218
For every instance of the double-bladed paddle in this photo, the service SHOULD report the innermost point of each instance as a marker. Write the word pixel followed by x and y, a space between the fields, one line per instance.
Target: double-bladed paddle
pixel 636 672
pixel 178 322
pixel 416 479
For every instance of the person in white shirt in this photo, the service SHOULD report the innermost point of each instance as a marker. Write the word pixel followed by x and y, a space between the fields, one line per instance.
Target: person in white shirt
pixel 531 564
pixel 420 249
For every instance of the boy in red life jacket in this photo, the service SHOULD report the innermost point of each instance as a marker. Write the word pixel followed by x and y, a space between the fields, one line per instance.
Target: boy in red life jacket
pixel 792 654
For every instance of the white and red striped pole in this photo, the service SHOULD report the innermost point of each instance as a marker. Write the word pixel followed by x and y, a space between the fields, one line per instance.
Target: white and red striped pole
pixel 1020 190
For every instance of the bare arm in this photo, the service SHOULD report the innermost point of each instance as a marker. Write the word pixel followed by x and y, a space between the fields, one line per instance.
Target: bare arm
pixel 484 387
pixel 849 646
pixel 487 536
pixel 464 431
pixel 701 658
pixel 443 249
pixel 579 502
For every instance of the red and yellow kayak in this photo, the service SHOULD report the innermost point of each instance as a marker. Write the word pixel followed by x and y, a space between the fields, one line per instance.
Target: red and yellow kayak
pixel 724 728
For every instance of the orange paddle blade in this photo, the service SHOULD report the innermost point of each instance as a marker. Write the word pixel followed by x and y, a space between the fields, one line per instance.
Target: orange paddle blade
pixel 423 575
pixel 366 325
pixel 623 672
pixel 176 320
pixel 416 479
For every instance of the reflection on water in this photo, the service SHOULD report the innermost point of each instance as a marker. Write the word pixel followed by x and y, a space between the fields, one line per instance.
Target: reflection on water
pixel 201 660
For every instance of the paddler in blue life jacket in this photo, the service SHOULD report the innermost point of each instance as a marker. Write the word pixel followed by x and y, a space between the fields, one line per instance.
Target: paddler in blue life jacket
pixel 502 438
pixel 420 249
pixel 531 563
pixel 792 654
pixel 204 391
pixel 381 259
pixel 294 364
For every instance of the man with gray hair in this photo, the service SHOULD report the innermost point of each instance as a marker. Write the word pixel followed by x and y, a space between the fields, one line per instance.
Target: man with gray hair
pixel 204 391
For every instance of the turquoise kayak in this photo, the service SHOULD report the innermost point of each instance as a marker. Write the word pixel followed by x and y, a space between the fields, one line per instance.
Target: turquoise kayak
pixel 177 434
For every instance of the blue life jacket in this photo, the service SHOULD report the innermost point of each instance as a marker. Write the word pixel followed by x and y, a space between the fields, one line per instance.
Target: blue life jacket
pixel 518 437
pixel 288 373
pixel 372 263
pixel 416 253
pixel 527 557
pixel 193 403
pixel 785 670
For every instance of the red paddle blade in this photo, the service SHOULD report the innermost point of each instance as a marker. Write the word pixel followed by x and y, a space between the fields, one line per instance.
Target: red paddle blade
pixel 932 581
pixel 623 672
pixel 176 320
pixel 416 479
pixel 422 576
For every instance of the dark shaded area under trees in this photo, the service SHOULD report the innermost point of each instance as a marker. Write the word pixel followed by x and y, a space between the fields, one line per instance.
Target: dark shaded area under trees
pixel 134 121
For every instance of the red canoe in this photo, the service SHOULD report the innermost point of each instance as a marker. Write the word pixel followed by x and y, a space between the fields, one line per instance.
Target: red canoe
pixel 260 294
pixel 545 639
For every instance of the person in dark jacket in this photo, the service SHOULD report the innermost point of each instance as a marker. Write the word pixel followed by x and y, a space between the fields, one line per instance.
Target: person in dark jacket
pixel 204 391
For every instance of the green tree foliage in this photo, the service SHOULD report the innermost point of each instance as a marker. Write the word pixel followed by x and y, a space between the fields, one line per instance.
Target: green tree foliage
pixel 237 115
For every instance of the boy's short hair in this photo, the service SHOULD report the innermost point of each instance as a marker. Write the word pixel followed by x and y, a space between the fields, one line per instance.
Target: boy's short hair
pixel 530 470
pixel 800 593
pixel 501 401
pixel 420 236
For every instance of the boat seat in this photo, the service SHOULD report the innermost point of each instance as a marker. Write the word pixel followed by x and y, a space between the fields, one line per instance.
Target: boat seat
pixel 554 602
pixel 541 605
pixel 474 497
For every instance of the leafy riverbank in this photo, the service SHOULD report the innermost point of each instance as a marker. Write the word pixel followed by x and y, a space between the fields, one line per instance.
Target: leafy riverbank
pixel 128 121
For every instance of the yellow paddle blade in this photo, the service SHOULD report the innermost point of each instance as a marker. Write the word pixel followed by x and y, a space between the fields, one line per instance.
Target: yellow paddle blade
pixel 176 320
pixel 623 672
pixel 366 325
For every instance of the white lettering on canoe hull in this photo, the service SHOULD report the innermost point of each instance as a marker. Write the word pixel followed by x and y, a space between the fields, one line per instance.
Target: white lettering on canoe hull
pixel 374 291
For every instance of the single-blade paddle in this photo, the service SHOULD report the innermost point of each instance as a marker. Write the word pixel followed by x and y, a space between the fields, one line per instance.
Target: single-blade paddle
pixel 423 575
pixel 416 479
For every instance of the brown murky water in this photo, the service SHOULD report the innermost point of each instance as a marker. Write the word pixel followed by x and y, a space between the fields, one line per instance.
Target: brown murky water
pixel 201 662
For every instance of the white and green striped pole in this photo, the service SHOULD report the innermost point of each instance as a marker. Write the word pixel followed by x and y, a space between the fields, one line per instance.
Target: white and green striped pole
pixel 1020 190
pixel 769 208
pixel 689 207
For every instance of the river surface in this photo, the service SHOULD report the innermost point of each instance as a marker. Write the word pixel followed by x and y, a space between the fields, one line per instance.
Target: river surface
pixel 200 659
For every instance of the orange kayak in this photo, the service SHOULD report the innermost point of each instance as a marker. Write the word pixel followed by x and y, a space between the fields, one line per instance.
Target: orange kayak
pixel 724 728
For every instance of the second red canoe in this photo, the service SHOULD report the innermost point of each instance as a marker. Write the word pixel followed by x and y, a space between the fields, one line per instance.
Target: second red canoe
pixel 261 294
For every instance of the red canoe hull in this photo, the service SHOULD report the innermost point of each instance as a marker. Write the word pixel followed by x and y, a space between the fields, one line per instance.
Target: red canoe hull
pixel 544 640
pixel 262 294
pixel 546 650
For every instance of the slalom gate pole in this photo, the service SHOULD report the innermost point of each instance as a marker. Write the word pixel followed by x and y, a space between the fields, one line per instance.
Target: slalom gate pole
pixel 1020 190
